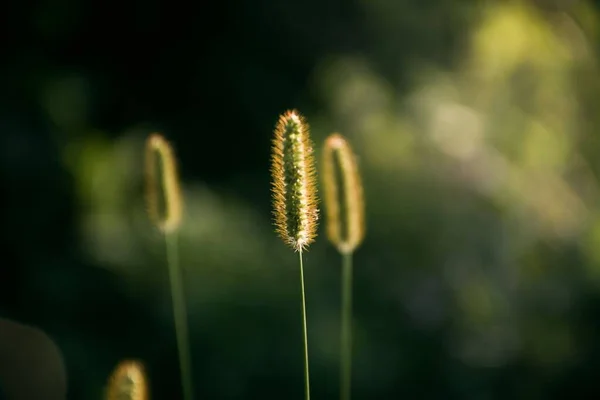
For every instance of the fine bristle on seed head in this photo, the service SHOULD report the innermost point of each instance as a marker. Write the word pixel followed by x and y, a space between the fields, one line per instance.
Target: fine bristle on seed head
pixel 352 217
pixel 127 382
pixel 293 181
pixel 159 150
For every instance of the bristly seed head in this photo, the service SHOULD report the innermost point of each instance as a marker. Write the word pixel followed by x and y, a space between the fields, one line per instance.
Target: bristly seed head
pixel 349 206
pixel 293 182
pixel 170 219
pixel 127 382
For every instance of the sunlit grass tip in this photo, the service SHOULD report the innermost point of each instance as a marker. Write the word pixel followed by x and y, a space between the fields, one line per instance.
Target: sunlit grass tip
pixel 293 182
pixel 161 173
pixel 295 198
pixel 343 195
pixel 128 382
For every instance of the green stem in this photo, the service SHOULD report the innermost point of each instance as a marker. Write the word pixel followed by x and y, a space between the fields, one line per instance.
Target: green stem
pixel 346 329
pixel 306 378
pixel 180 315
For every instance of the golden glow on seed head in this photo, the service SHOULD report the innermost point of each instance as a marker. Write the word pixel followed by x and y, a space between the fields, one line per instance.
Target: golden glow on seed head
pixel 158 150
pixel 345 229
pixel 293 183
pixel 127 382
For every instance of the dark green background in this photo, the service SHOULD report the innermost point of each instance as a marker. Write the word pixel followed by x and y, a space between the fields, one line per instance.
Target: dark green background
pixel 213 77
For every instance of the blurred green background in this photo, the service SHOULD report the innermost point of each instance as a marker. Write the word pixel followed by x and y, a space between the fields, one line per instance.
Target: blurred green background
pixel 476 126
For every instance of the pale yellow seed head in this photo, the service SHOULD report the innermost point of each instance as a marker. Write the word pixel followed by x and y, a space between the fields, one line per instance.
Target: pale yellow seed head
pixel 344 212
pixel 159 150
pixel 293 181
pixel 127 382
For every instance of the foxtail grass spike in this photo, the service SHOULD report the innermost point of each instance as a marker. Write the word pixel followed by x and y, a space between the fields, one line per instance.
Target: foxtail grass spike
pixel 127 382
pixel 158 149
pixel 345 221
pixel 344 213
pixel 293 181
pixel 295 198
pixel 168 222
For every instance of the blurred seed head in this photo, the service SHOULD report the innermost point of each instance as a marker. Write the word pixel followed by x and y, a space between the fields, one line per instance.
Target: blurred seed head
pixel 343 195
pixel 128 382
pixel 159 153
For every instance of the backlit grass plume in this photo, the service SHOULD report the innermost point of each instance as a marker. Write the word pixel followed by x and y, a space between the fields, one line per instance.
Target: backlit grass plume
pixel 127 382
pixel 344 204
pixel 293 181
pixel 344 213
pixel 160 158
pixel 295 196
pixel 161 172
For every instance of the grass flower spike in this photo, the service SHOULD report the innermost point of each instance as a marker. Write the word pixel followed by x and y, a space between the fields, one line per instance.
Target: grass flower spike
pixel 293 182
pixel 295 197
pixel 168 222
pixel 170 218
pixel 344 212
pixel 127 382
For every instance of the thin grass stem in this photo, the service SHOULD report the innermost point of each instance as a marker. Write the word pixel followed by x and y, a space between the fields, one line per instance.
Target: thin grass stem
pixel 306 374
pixel 346 328
pixel 180 314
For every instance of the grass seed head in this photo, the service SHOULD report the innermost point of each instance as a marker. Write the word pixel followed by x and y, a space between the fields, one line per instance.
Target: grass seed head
pixel 344 212
pixel 293 181
pixel 127 382
pixel 158 149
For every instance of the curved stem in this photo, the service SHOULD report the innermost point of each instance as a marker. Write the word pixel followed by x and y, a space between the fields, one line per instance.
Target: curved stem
pixel 346 329
pixel 180 315
pixel 306 375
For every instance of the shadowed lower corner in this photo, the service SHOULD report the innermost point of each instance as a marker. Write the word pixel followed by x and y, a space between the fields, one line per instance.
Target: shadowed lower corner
pixel 31 364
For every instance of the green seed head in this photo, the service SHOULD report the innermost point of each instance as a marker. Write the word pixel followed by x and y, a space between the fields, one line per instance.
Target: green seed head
pixel 159 156
pixel 344 203
pixel 293 182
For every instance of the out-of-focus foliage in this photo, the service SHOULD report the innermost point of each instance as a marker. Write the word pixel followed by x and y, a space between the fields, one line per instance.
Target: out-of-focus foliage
pixel 479 275
pixel 489 165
